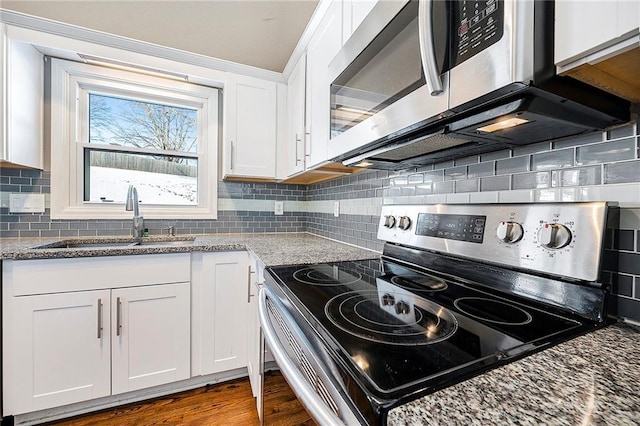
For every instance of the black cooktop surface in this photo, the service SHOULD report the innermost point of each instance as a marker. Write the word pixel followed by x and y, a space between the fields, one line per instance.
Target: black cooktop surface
pixel 400 330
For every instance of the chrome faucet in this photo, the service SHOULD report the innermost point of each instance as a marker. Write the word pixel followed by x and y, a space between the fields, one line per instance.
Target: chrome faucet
pixel 132 205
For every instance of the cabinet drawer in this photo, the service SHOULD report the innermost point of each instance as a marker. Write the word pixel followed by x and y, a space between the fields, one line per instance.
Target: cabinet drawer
pixel 41 276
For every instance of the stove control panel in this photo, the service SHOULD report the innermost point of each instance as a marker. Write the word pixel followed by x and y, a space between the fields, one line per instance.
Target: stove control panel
pixel 451 226
pixel 564 239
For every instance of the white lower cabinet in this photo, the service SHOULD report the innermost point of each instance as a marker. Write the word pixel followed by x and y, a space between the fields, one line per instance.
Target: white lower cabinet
pixel 223 311
pixel 151 339
pixel 59 353
pixel 66 342
pixel 253 334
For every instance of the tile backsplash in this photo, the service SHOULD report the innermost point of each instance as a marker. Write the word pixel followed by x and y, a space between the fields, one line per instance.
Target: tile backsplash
pixel 597 166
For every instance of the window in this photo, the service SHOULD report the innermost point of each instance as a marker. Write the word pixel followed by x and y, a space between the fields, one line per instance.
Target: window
pixel 113 128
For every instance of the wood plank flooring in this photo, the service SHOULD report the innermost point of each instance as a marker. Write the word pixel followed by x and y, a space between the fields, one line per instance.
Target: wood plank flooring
pixel 228 403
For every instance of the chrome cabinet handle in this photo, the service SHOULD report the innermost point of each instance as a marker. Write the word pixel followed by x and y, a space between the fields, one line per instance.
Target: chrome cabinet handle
pixel 307 143
pixel 99 318
pixel 427 49
pixel 118 316
pixel 249 295
pixel 231 159
pixel 298 140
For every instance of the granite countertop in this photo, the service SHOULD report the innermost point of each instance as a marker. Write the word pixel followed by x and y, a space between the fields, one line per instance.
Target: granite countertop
pixel 591 380
pixel 272 249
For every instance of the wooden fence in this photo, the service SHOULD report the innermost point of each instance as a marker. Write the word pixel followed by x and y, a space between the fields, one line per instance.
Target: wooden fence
pixel 167 165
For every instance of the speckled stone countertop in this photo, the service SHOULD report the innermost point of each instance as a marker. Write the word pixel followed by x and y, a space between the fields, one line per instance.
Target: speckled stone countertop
pixel 591 380
pixel 272 249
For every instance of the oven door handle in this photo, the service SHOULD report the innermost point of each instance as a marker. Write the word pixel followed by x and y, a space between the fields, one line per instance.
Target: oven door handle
pixel 320 412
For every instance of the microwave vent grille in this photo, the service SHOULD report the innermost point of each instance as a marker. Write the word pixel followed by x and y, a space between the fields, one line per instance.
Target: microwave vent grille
pixel 418 147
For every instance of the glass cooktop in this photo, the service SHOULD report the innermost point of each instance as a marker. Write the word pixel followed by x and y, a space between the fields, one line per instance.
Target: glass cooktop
pixel 401 330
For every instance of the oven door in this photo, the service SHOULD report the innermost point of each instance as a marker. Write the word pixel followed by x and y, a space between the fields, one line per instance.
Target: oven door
pixel 301 364
pixel 391 75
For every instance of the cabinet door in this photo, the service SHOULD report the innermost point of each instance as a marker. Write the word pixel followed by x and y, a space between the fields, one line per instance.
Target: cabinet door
pixel 151 336
pixel 323 47
pixel 583 27
pixel 353 13
pixel 296 117
pixel 224 311
pixel 253 330
pixel 58 349
pixel 250 127
pixel 22 76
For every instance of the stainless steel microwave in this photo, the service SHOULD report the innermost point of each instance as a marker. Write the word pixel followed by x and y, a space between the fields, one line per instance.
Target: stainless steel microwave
pixel 423 81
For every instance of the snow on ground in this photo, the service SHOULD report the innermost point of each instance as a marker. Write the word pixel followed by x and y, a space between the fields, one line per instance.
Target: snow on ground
pixel 153 188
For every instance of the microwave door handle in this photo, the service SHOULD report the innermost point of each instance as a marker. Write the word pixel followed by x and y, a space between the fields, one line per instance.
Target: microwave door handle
pixel 427 48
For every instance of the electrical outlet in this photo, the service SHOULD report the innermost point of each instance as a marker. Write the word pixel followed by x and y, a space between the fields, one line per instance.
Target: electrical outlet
pixel 26 203
pixel 336 209
pixel 279 209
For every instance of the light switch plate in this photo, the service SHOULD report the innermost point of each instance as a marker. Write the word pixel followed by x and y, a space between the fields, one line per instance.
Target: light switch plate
pixel 336 209
pixel 26 203
pixel 279 209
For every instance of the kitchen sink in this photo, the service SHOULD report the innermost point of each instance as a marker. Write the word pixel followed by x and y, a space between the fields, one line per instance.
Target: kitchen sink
pixel 79 244
pixel 172 243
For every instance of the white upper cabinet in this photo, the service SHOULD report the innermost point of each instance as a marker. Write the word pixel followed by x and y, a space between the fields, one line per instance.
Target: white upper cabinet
pixel 249 128
pixel 584 27
pixel 296 117
pixel 323 47
pixel 353 13
pixel 598 43
pixel 22 80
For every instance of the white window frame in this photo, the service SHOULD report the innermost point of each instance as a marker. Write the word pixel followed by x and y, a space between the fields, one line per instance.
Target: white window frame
pixel 71 83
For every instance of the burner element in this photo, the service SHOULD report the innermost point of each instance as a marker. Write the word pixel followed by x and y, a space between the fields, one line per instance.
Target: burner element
pixel 494 311
pixel 419 282
pixel 409 322
pixel 326 275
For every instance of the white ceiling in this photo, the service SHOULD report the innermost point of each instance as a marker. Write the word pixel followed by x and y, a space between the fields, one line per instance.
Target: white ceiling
pixel 259 33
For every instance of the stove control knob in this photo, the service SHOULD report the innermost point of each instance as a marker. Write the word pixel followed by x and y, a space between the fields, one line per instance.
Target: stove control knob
pixel 389 221
pixel 388 300
pixel 509 232
pixel 402 308
pixel 554 236
pixel 405 223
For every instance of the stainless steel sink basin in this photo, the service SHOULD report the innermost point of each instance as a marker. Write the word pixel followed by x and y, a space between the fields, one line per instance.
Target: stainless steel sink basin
pixel 94 245
pixel 75 244
pixel 175 243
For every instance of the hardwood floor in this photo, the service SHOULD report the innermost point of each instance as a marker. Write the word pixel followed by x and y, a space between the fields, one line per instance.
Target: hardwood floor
pixel 229 403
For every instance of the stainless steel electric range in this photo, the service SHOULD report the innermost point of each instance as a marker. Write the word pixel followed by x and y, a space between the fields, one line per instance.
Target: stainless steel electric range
pixel 458 290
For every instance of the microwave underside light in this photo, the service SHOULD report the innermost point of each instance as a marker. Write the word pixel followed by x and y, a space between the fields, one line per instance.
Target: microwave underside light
pixel 502 124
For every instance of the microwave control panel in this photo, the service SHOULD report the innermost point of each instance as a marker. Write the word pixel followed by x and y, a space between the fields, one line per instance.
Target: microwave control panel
pixel 476 26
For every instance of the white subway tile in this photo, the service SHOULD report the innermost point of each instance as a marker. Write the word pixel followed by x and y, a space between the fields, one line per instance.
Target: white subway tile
pixel 484 197
pixel 436 199
pixel 516 196
pixel 461 198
